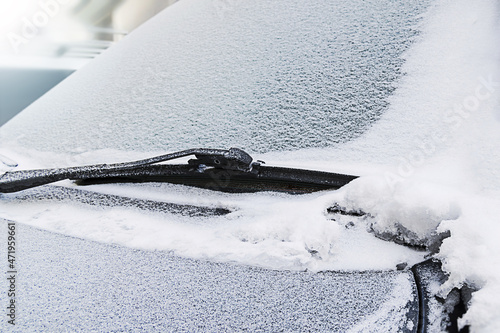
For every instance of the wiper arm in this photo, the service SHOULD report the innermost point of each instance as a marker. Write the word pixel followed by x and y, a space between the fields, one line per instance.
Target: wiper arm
pixel 231 170
pixel 233 158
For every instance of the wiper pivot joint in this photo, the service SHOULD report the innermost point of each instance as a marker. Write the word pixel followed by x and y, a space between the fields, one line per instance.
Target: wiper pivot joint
pixel 232 159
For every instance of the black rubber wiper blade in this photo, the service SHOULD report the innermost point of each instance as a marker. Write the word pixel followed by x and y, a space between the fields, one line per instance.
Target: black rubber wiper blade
pixel 230 170
pixel 262 178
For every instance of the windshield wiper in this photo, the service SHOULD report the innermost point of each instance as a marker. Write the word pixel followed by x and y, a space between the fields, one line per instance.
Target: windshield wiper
pixel 231 170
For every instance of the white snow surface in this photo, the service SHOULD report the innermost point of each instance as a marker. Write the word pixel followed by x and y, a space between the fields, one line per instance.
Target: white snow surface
pixel 431 163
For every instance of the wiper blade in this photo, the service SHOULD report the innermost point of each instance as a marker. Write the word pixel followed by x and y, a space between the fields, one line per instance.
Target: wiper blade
pixel 231 170
pixel 61 194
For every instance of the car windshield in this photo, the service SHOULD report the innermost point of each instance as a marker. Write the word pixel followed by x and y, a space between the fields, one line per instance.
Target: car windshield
pixel 401 93
pixel 241 75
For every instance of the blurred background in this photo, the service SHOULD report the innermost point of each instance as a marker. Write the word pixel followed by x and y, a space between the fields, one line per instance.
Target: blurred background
pixel 44 41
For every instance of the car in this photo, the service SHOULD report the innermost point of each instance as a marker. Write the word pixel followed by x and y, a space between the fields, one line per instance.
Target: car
pixel 296 213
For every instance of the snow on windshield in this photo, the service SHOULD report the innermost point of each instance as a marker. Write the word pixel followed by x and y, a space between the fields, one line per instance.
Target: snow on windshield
pixel 427 151
pixel 197 75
